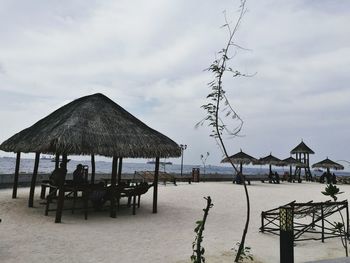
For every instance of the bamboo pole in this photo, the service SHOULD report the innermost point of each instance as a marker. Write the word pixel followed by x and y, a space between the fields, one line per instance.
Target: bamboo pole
pixel 33 182
pixel 155 186
pixel 15 182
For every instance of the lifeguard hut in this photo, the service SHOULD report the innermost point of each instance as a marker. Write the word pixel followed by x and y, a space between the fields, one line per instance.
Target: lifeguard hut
pixel 302 152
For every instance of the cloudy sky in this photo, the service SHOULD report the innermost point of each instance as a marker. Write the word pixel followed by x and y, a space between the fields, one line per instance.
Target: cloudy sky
pixel 150 56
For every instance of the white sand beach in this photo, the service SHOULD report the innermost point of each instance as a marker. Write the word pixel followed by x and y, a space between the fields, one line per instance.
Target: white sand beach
pixel 29 236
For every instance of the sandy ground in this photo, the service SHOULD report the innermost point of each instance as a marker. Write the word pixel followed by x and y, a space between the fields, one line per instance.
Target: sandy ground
pixel 26 235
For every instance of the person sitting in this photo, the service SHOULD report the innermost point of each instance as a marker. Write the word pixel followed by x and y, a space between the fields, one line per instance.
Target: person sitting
pixel 57 176
pixel 322 177
pixel 329 178
pixel 78 175
pixel 239 179
pixel 271 178
pixel 277 178
pixel 334 179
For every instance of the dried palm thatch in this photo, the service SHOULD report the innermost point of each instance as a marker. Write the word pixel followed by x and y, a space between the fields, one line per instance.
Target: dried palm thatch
pixel 328 164
pixel 302 148
pixel 290 161
pixel 92 125
pixel 269 159
pixel 239 158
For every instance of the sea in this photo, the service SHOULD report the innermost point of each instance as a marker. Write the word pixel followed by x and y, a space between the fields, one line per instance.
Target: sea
pixel 46 165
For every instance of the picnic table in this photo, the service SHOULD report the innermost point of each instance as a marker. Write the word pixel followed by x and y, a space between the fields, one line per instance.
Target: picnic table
pixel 97 194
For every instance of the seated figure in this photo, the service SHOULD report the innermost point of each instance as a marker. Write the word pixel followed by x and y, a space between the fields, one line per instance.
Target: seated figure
pixel 78 175
pixel 58 175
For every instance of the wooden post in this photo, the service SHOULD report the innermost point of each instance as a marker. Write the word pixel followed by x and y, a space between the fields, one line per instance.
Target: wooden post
pixel 120 166
pixel 15 181
pixel 33 182
pixel 322 216
pixel 155 185
pixel 114 170
pixel 262 222
pixel 286 235
pixel 347 219
pixel 92 168
pixel 57 160
pixel 60 201
pixel 113 211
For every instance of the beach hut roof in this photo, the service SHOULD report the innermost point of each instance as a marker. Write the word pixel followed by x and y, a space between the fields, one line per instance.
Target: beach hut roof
pixel 270 159
pixel 240 157
pixel 302 148
pixel 92 124
pixel 290 161
pixel 327 163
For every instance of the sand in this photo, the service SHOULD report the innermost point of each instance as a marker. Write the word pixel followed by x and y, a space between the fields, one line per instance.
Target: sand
pixel 26 235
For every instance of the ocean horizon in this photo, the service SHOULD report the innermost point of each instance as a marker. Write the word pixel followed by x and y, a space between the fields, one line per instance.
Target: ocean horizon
pixel 7 166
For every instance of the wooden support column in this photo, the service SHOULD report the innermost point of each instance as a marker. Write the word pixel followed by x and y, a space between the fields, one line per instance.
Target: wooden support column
pixel 33 182
pixel 155 186
pixel 57 160
pixel 120 167
pixel 92 168
pixel 347 219
pixel 113 210
pixel 322 216
pixel 15 181
pixel 60 201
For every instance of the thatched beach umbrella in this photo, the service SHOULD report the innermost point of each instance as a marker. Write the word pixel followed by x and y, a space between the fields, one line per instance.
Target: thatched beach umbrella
pixel 88 126
pixel 270 160
pixel 239 158
pixel 328 164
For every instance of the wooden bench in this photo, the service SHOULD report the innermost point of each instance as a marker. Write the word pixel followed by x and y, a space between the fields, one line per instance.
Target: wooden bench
pixel 148 176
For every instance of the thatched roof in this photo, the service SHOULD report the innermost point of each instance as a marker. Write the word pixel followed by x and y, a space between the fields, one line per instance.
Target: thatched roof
pixel 270 159
pixel 327 163
pixel 290 161
pixel 240 157
pixel 302 148
pixel 92 125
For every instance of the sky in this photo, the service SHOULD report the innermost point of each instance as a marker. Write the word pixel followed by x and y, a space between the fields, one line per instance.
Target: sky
pixel 150 58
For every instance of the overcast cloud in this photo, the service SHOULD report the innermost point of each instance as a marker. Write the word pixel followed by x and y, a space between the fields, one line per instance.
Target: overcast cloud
pixel 149 57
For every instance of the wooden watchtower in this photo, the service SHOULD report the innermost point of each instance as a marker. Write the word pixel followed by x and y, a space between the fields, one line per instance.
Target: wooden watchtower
pixel 302 152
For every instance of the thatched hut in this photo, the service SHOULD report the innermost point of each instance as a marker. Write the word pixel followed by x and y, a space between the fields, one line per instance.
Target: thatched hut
pixel 91 125
pixel 239 158
pixel 270 160
pixel 302 153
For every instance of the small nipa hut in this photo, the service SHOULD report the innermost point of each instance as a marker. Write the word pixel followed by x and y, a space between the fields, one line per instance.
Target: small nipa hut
pixel 302 154
pixel 91 125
